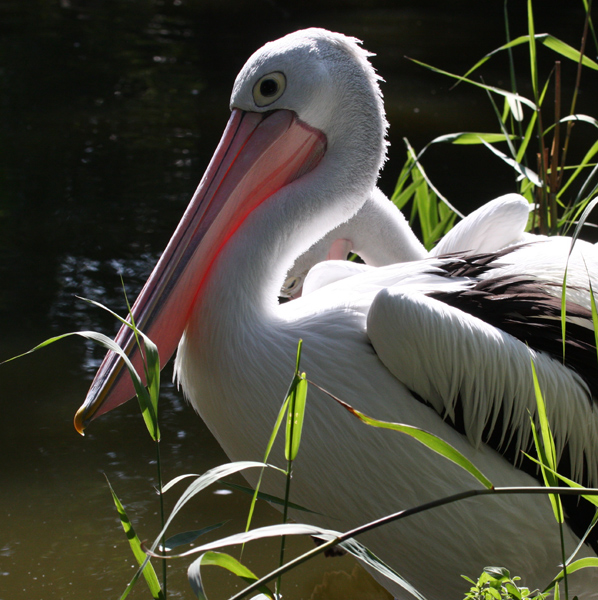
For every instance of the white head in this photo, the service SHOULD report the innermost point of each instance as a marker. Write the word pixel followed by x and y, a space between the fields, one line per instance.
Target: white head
pixel 328 81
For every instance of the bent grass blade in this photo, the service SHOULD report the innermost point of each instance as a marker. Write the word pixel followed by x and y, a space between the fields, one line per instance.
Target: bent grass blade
pixel 143 396
pixel 146 568
pixel 151 366
pixel 429 440
pixel 225 561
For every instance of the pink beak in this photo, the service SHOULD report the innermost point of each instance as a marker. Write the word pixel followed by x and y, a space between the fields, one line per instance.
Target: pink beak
pixel 259 153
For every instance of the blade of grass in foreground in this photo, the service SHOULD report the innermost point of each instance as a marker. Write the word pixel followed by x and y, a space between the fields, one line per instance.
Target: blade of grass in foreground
pixel 429 440
pixel 582 563
pixel 331 537
pixel 225 561
pixel 281 414
pixel 545 447
pixel 148 570
pixel 151 368
pixel 501 92
pixel 141 391
pixel 295 417
pixel 591 499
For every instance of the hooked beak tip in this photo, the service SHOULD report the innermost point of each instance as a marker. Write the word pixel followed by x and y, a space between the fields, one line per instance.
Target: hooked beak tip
pixel 79 421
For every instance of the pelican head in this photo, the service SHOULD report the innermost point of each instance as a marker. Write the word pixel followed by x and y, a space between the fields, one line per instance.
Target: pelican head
pixel 303 107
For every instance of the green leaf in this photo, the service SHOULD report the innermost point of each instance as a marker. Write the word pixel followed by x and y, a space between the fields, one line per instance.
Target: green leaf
pixel 518 167
pixel 429 440
pixel 445 225
pixel 594 315
pixel 365 556
pixel 351 545
pixel 528 136
pixel 564 308
pixel 501 92
pixel 295 418
pixel 545 447
pixel 225 561
pixel 585 163
pixel 582 563
pixel 532 48
pixel 148 400
pixel 141 557
pixel 472 138
pixel 141 391
pixel 589 497
pixel 279 418
pixel 261 533
pixel 296 410
pixel 582 118
pixel 203 481
pixel 567 51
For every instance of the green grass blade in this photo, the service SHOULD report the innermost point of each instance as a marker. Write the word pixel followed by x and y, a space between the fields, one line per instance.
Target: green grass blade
pixel 141 557
pixel 404 195
pixel 516 42
pixel 545 447
pixel 295 418
pixel 365 556
pixel 202 482
pixel 594 315
pixel 584 164
pixel 584 216
pixel 532 48
pixel 527 137
pixel 277 424
pixel 469 138
pixel 296 410
pixel 151 365
pixel 225 561
pixel 143 396
pixel 499 91
pixel 445 224
pixel 582 563
pixel 564 309
pixel 518 167
pixel 568 52
pixel 261 533
pixel 590 498
pixel 429 440
pixel 279 419
pixel 581 118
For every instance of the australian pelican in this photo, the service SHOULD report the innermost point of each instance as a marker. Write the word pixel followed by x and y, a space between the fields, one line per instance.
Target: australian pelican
pixel 443 343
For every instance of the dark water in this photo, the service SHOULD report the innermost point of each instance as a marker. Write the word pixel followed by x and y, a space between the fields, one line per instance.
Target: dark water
pixel 110 111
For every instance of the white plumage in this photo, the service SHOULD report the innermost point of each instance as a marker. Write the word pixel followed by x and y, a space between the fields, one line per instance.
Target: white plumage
pixel 300 154
pixel 379 233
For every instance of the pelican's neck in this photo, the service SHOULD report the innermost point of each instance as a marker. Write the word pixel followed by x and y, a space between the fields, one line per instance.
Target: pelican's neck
pixel 252 267
pixel 236 323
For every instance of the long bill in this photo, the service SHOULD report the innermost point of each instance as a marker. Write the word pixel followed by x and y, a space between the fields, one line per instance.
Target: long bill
pixel 259 153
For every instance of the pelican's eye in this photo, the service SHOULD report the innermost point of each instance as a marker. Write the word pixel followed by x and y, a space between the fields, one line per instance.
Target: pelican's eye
pixel 269 88
pixel 291 286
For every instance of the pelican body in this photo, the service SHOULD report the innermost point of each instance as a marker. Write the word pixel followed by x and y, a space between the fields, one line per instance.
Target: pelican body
pixel 301 152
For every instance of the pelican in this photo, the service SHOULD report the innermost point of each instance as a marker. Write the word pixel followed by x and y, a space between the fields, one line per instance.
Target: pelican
pixel 379 233
pixel 406 343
